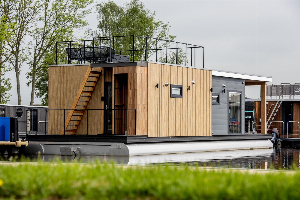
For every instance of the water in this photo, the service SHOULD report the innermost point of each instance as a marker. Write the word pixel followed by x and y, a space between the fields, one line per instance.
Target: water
pixel 243 159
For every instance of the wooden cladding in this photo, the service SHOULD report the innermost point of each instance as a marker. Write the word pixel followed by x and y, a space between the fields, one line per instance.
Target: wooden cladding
pixel 145 91
pixel 64 82
pixel 187 116
pixel 134 98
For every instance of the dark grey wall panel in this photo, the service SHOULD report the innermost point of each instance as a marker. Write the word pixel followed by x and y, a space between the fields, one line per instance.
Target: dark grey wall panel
pixel 42 116
pixel 220 113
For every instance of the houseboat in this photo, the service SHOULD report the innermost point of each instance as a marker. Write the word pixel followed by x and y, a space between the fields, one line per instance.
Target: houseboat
pixel 103 103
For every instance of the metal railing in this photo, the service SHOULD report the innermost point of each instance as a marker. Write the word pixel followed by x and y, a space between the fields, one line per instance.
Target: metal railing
pixel 287 129
pixel 114 121
pixel 283 91
pixel 139 48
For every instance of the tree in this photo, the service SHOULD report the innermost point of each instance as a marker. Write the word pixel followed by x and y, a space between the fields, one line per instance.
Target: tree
pixel 56 22
pixel 21 13
pixel 5 85
pixel 132 19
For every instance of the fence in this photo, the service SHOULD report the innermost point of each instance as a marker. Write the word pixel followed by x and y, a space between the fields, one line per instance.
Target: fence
pixel 283 91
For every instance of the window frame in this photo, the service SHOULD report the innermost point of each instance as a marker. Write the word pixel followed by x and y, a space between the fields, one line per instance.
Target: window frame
pixel 218 98
pixel 241 120
pixel 176 95
pixel 32 126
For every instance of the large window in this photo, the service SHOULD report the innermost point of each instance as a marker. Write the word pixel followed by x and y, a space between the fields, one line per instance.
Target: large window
pixel 235 112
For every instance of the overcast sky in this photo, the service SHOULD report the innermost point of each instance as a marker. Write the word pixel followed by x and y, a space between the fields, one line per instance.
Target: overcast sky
pixel 246 36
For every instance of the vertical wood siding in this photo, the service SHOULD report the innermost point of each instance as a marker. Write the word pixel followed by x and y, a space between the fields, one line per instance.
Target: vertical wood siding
pixel 64 82
pixel 187 116
pixel 157 115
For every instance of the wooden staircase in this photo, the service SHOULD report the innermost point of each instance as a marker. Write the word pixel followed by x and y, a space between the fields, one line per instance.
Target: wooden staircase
pixel 273 114
pixel 81 101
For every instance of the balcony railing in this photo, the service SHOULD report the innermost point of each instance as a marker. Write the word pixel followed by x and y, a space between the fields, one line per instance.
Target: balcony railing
pixel 284 91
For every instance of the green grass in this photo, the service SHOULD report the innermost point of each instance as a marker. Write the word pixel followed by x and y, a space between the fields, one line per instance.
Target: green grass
pixel 109 181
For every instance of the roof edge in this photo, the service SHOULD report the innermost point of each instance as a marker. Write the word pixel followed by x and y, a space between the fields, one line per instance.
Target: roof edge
pixel 242 76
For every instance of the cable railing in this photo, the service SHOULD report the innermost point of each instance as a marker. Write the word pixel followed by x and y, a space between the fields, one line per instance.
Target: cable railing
pixel 94 122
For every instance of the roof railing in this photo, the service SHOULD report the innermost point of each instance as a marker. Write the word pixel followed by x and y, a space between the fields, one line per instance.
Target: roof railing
pixel 103 49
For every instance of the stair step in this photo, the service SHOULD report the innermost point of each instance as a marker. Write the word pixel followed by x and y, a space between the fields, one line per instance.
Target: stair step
pixel 71 130
pixel 92 81
pixel 94 75
pixel 96 72
pixel 75 120
pixel 89 86
pixel 87 91
pixel 77 114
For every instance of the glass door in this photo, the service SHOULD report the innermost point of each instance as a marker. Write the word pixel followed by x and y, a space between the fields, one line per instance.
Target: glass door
pixel 235 112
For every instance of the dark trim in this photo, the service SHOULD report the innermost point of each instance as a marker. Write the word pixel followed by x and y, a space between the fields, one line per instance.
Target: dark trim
pixel 175 95
pixel 124 64
pixel 142 139
pixel 108 111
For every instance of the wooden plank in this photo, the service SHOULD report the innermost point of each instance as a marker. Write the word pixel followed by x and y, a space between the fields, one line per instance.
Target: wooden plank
pixel 153 99
pixel 172 101
pixel 190 129
pixel 210 103
pixel 257 115
pixel 178 105
pixel 204 103
pixel 201 103
pixel 194 90
pixel 108 74
pixel 197 101
pixel 142 101
pixel 263 108
pixel 165 95
pixel 184 101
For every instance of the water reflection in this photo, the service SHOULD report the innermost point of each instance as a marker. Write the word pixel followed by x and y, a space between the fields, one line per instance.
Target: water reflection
pixel 245 159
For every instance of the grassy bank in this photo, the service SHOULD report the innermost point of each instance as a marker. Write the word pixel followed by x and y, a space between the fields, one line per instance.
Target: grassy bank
pixel 106 181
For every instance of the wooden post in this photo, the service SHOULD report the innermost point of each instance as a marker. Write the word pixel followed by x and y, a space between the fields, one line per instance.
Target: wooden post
pixel 263 108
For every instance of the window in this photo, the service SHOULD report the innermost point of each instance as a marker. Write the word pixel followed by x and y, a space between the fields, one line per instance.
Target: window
pixel 176 91
pixel 215 98
pixel 33 120
pixel 235 112
pixel 2 112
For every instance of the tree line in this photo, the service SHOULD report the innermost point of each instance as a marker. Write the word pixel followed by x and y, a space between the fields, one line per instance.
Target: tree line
pixel 29 30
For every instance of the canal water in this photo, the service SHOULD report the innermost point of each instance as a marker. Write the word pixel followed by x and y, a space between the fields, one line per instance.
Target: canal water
pixel 280 158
